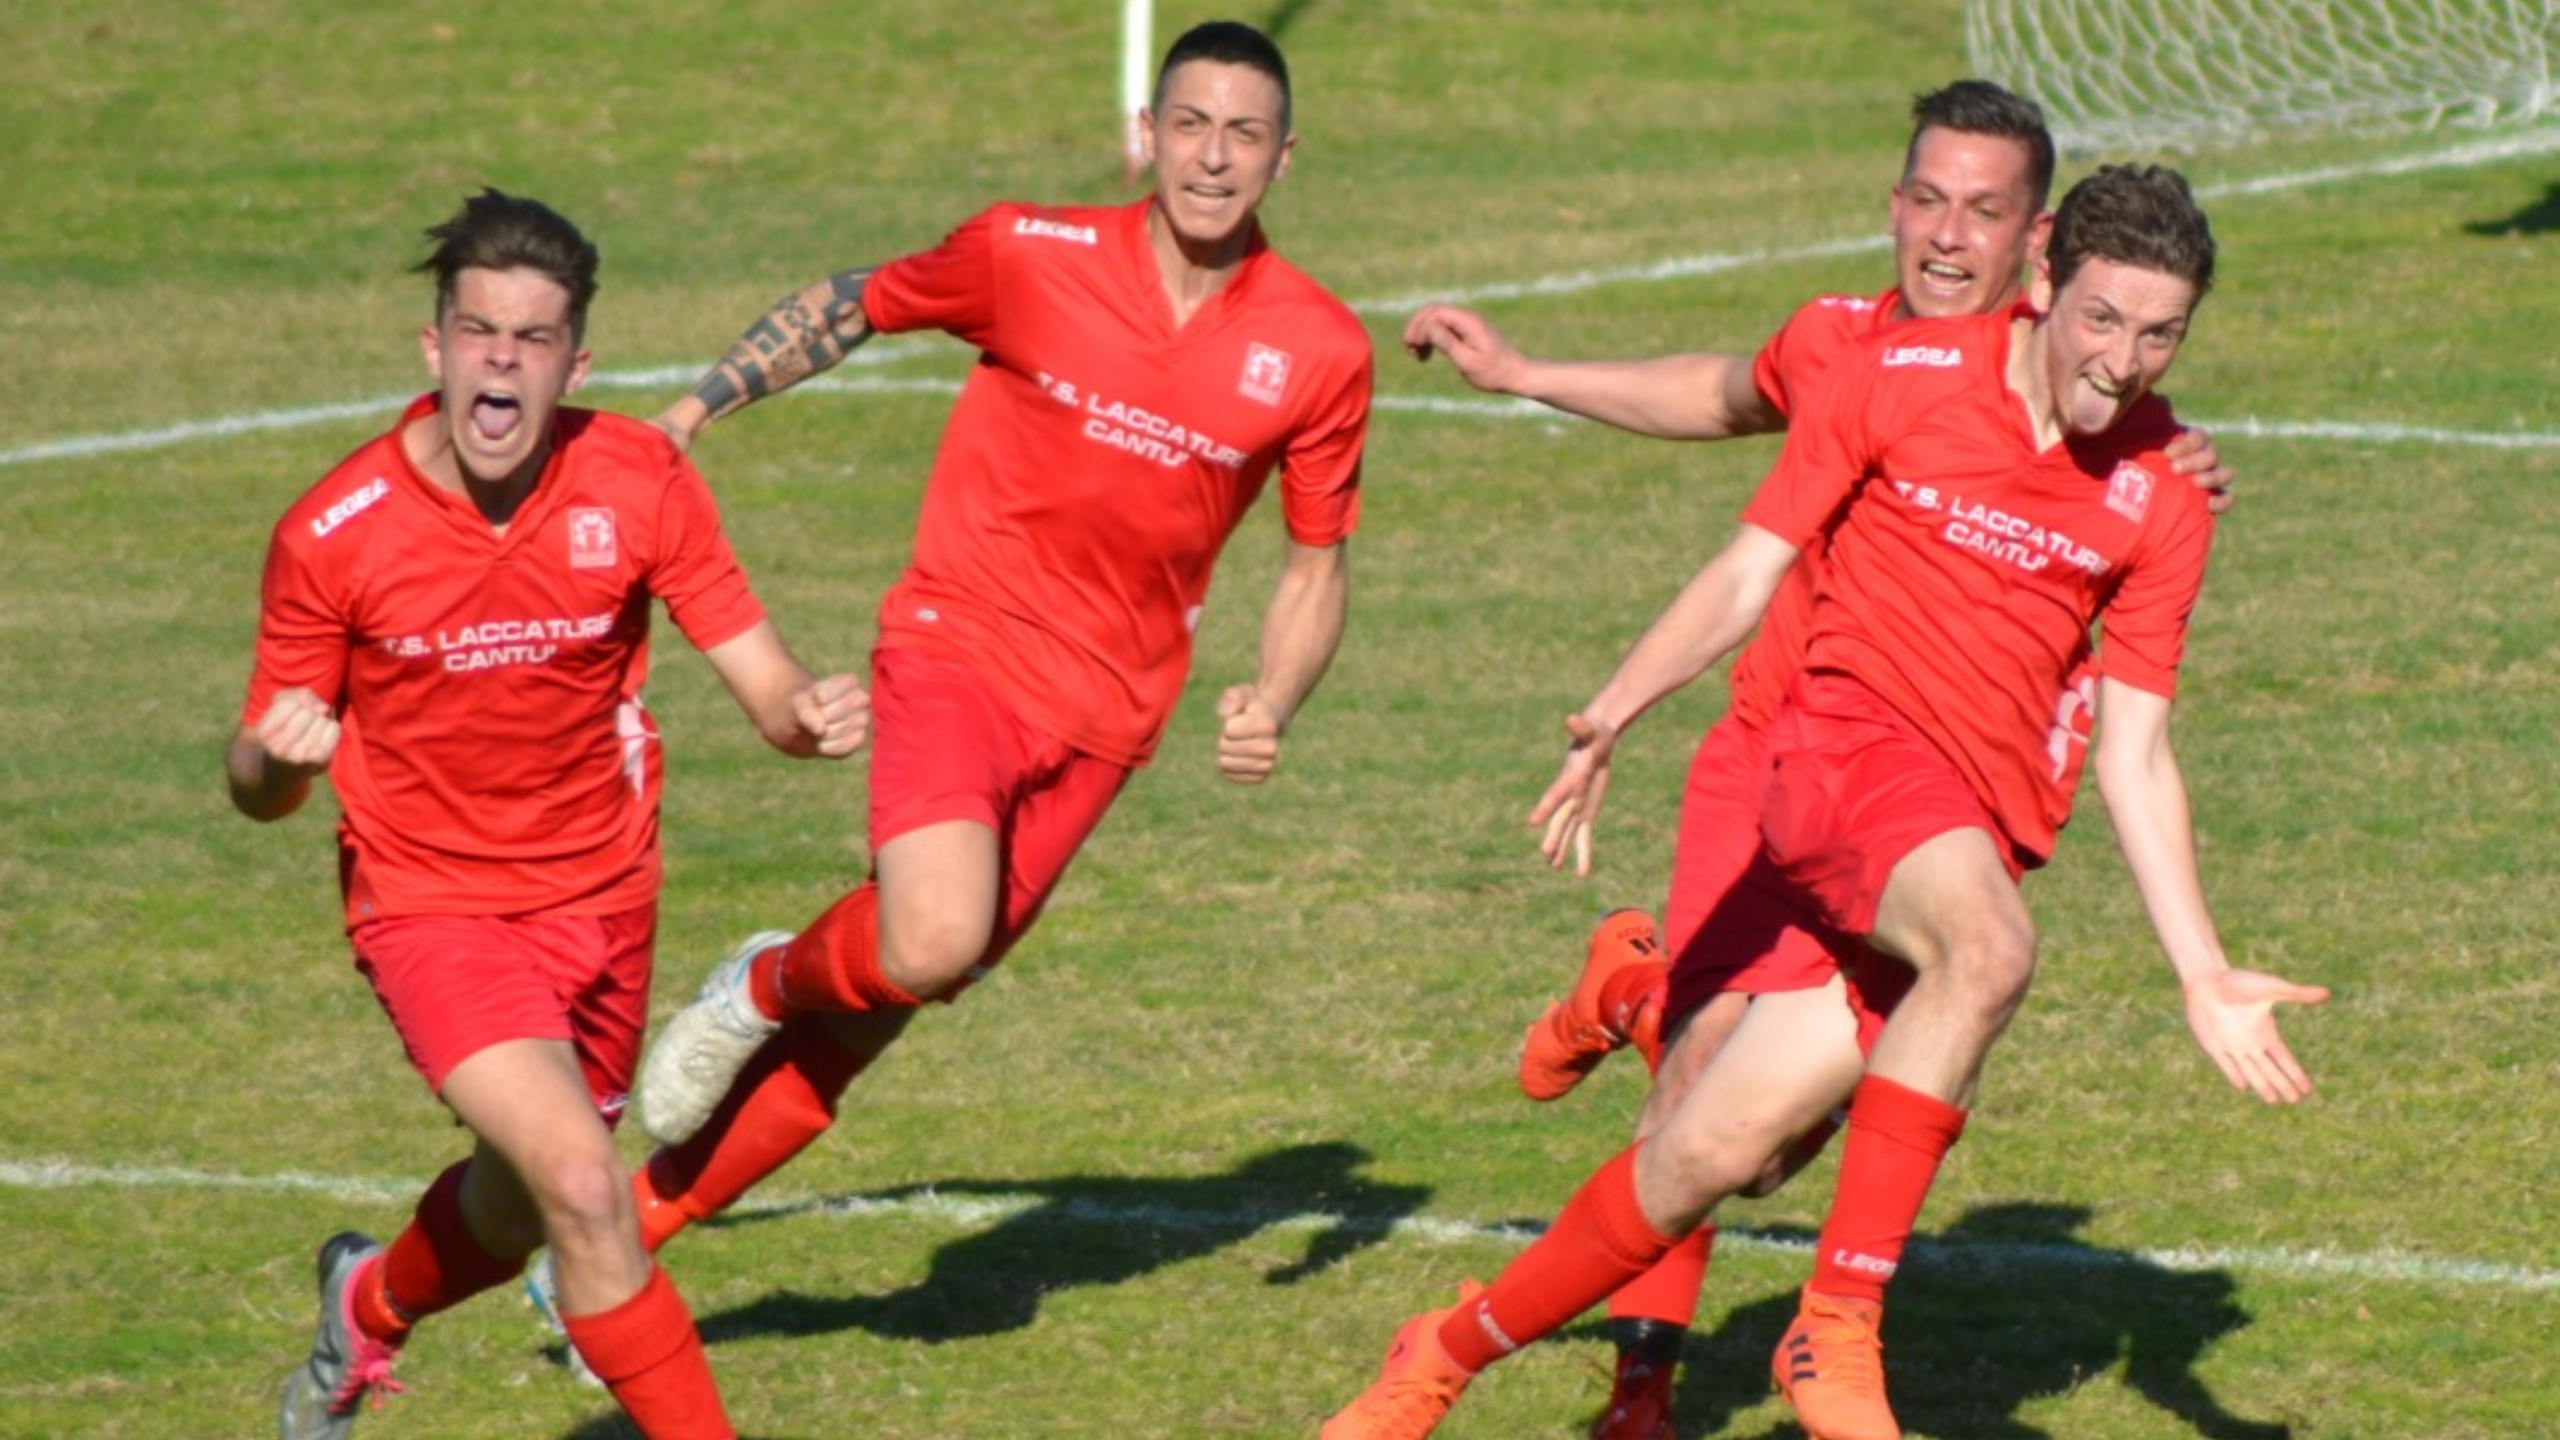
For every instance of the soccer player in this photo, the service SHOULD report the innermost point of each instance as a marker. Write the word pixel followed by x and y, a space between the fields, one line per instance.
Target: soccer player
pixel 1968 213
pixel 1143 371
pixel 454 628
pixel 1989 487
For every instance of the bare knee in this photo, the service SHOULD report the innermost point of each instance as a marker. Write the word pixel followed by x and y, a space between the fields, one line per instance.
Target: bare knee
pixel 1690 1169
pixel 1993 964
pixel 928 956
pixel 582 1195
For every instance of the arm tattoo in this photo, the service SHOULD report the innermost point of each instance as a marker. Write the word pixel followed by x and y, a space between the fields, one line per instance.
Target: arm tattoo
pixel 805 334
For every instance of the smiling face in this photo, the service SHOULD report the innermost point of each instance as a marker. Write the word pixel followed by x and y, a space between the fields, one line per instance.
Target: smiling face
pixel 1217 137
pixel 504 352
pixel 1965 223
pixel 2112 334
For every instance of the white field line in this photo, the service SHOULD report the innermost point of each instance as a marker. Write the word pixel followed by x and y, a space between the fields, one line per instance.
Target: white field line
pixel 975 1210
pixel 2466 156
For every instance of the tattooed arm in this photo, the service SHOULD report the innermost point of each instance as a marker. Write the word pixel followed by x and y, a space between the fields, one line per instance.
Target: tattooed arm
pixel 805 334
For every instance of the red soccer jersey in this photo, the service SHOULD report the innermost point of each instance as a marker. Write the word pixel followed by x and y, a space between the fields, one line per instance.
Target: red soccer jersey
pixel 1098 457
pixel 1967 568
pixel 1817 335
pixel 495 758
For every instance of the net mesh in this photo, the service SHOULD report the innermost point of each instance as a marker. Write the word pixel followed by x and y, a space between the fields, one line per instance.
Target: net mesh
pixel 2143 73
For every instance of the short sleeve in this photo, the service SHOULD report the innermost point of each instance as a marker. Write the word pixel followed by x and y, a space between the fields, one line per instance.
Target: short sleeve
pixel 1827 452
pixel 1320 471
pixel 950 287
pixel 696 572
pixel 304 632
pixel 2143 630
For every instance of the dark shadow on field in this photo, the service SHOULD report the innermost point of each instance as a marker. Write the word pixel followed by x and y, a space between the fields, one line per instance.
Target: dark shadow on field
pixel 1092 1230
pixel 2539 218
pixel 2006 1307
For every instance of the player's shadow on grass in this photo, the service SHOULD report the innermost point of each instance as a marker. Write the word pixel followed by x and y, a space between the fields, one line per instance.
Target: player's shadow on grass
pixel 2007 1307
pixel 1094 1230
pixel 2539 218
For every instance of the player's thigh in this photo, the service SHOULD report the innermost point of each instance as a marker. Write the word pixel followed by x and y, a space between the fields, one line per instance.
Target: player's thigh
pixel 940 886
pixel 1786 1066
pixel 1700 1035
pixel 528 1103
pixel 1954 898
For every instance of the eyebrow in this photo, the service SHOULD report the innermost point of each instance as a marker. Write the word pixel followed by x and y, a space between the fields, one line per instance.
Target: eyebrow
pixel 1177 107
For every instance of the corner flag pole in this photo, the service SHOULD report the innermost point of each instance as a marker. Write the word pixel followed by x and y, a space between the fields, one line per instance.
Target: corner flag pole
pixel 1137 41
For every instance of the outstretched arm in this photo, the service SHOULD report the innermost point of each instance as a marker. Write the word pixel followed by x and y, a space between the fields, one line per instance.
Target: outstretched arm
pixel 800 716
pixel 802 336
pixel 1300 631
pixel 1711 615
pixel 1703 396
pixel 2230 1012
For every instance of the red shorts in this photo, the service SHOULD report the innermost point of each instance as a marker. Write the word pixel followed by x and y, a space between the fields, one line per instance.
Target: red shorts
pixel 1733 923
pixel 454 985
pixel 944 748
pixel 1851 788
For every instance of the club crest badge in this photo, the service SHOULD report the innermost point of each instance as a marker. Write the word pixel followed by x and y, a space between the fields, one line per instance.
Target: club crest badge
pixel 2129 491
pixel 1266 374
pixel 591 539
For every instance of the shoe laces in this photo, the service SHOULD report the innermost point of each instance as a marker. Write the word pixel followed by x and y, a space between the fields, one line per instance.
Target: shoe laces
pixel 368 1373
pixel 1413 1393
pixel 368 1360
pixel 1409 1401
pixel 1846 1350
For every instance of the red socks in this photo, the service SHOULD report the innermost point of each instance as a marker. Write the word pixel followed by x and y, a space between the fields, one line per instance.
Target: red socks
pixel 785 1098
pixel 1897 1139
pixel 834 965
pixel 648 1354
pixel 434 1264
pixel 1668 1293
pixel 1598 1244
pixel 787 1095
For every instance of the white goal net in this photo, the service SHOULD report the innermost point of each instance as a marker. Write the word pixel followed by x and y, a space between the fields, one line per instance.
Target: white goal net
pixel 2140 73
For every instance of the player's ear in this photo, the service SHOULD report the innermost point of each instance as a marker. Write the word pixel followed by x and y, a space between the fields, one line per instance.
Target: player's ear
pixel 1288 147
pixel 431 345
pixel 2040 282
pixel 578 370
pixel 1146 137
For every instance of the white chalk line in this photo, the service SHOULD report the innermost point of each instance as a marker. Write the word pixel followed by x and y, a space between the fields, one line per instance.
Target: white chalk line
pixel 979 1211
pixel 888 351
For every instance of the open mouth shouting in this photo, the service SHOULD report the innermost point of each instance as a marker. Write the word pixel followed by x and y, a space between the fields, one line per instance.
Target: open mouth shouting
pixel 495 414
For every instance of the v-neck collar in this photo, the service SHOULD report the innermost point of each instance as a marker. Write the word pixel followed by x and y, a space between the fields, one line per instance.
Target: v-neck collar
pixel 1138 257
pixel 458 508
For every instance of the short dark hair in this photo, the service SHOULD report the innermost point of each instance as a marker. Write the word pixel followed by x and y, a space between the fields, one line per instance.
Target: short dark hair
pixel 2140 215
pixel 1227 42
pixel 497 231
pixel 1980 107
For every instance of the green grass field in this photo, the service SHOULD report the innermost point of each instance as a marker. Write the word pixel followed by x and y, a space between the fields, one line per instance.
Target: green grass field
pixel 1245 1099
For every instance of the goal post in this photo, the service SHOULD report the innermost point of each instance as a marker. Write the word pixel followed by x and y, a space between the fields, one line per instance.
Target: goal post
pixel 2150 73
